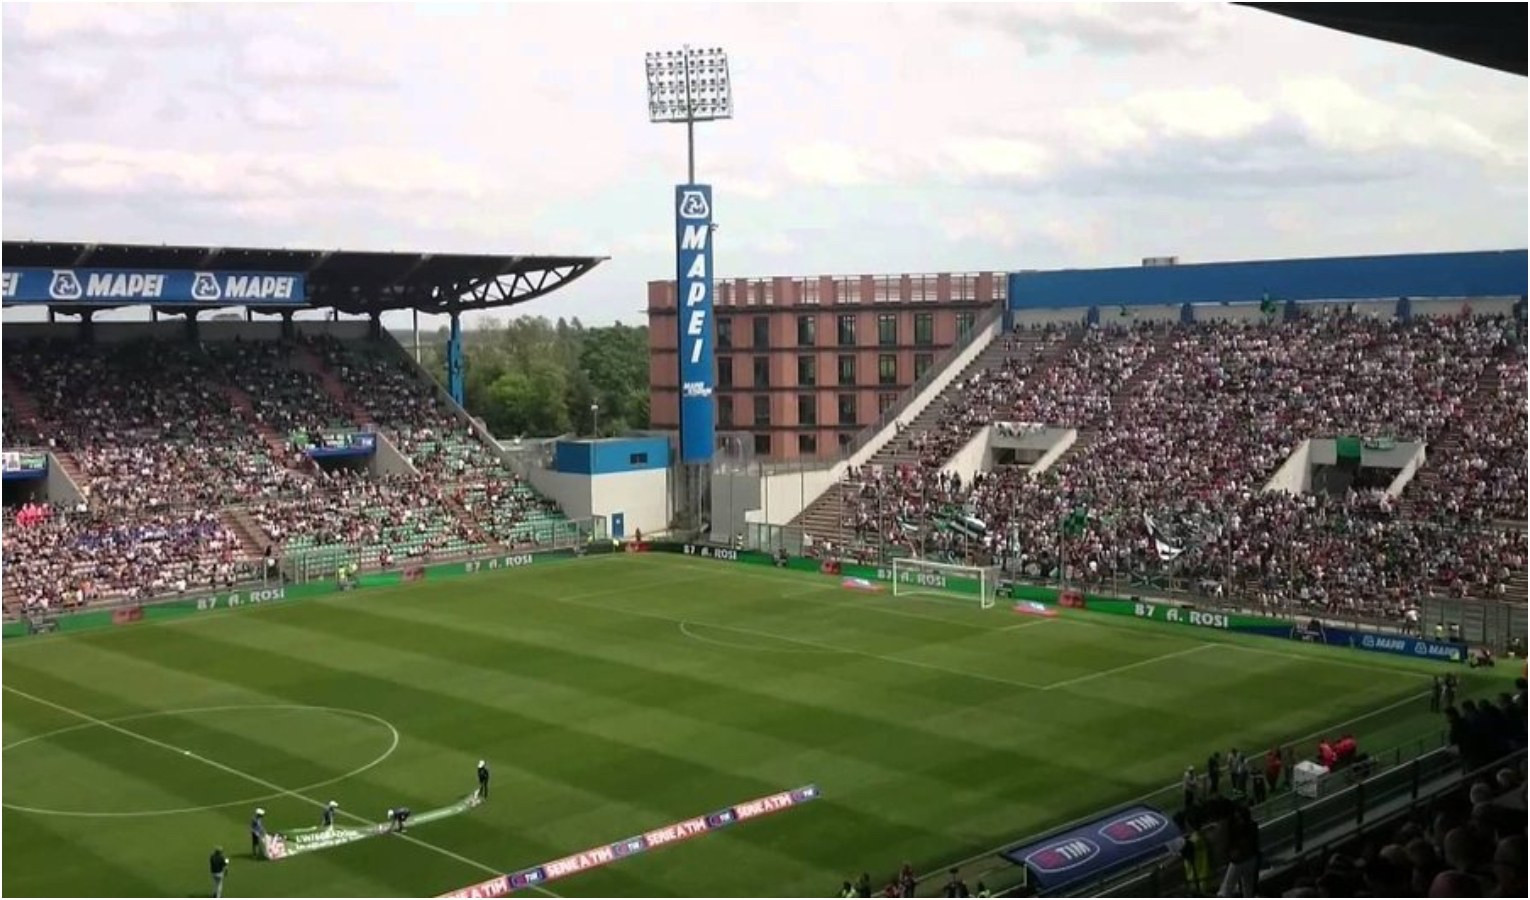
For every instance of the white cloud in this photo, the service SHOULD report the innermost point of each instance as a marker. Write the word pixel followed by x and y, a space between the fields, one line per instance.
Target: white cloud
pixel 1100 28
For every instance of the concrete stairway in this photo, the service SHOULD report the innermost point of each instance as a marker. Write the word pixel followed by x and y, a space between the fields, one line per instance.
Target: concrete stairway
pixel 252 541
pixel 309 361
pixel 821 519
pixel 276 444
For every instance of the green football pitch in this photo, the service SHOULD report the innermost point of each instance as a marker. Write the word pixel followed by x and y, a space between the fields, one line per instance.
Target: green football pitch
pixel 617 694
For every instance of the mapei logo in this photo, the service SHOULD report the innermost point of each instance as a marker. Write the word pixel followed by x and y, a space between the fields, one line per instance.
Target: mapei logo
pixel 693 205
pixel 1130 829
pixel 65 285
pixel 696 389
pixel 1063 855
pixel 205 288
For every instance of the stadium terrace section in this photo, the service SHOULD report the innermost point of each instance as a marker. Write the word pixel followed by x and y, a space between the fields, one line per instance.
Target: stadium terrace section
pixel 191 462
pixel 1185 424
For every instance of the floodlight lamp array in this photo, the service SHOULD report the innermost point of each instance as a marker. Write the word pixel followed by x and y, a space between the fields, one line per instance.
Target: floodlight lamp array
pixel 689 85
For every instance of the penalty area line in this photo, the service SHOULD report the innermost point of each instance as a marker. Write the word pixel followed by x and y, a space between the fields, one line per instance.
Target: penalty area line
pixel 254 779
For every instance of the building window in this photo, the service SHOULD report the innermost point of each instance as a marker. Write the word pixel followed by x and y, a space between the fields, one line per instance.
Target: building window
pixel 762 371
pixel 807 292
pixel 725 412
pixel 924 329
pixel 887 369
pixel 762 409
pixel 847 290
pixel 964 288
pixel 762 445
pixel 807 409
pixel 725 332
pixel 1000 286
pixel 964 323
pixel 845 331
pixel 807 331
pixel 759 331
pixel 847 409
pixel 922 363
pixel 637 459
pixel 764 293
pixel 925 288
pixel 847 371
pixel 807 445
pixel 845 438
pixel 807 370
pixel 885 401
pixel 724 293
pixel 725 371
pixel 887 329
pixel 887 288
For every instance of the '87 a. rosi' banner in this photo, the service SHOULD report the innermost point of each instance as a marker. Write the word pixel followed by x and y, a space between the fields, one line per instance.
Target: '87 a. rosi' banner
pixel 693 299
pixel 166 286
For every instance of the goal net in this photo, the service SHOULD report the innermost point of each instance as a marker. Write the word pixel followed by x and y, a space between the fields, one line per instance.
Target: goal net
pixel 924 576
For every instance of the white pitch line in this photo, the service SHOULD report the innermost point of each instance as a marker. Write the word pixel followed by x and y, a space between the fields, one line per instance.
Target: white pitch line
pixel 254 779
pixel 804 642
pixel 1128 667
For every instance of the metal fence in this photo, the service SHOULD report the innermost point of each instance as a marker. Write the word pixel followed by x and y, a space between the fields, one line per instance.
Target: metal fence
pixel 321 563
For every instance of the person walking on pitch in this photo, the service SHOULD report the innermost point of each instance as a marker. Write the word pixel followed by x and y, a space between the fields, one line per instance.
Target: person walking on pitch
pixel 257 833
pixel 327 818
pixel 483 780
pixel 398 817
pixel 219 865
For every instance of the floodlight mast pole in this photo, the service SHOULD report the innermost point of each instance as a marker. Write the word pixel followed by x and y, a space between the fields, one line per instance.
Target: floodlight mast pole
pixel 674 94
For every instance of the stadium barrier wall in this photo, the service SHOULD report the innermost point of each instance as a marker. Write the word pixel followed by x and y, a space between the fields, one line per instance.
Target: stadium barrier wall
pixel 181 607
pixel 1167 613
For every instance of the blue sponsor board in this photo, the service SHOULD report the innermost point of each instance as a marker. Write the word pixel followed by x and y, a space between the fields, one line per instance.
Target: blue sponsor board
pixel 25 465
pixel 1419 648
pixel 341 446
pixel 1093 850
pixel 87 287
pixel 693 298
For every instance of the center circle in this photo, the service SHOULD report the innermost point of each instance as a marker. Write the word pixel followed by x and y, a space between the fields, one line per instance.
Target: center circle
pixel 327 717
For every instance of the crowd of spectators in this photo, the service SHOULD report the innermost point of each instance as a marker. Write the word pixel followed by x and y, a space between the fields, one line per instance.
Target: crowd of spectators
pixel 1207 423
pixel 411 411
pixel 147 422
pixel 67 558
pixel 160 452
pixel 283 394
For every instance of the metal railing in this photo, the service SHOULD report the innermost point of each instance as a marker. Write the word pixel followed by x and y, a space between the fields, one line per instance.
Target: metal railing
pixel 320 563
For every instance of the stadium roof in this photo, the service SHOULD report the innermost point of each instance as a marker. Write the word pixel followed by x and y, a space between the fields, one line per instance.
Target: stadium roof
pixel 357 282
pixel 1488 34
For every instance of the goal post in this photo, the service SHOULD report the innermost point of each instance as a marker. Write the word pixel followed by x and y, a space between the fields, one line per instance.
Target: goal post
pixel 911 575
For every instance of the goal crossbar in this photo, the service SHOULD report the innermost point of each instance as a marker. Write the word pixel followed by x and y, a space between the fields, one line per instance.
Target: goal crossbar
pixel 911 575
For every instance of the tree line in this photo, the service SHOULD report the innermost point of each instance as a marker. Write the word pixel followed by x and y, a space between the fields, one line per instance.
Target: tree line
pixel 531 377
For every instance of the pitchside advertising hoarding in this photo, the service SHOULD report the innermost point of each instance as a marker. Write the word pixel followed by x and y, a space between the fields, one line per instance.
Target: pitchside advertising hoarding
pixel 693 270
pixel 157 286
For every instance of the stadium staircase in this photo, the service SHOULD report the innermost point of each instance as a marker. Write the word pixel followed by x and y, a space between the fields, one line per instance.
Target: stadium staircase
pixel 252 541
pixel 1439 449
pixel 1128 389
pixel 310 361
pixel 280 451
pixel 25 408
pixel 822 517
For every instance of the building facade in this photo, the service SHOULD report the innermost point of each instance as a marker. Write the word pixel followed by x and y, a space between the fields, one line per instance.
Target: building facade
pixel 804 363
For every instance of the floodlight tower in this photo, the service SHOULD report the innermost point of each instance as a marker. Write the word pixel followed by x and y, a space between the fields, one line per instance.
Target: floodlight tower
pixel 692 85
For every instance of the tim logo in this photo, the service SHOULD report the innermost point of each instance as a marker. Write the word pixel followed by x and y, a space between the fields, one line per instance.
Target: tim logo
pixel 1064 855
pixel 205 288
pixel 65 286
pixel 693 205
pixel 627 848
pixel 1133 828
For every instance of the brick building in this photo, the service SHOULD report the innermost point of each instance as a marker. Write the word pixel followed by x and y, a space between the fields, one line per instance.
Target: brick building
pixel 803 364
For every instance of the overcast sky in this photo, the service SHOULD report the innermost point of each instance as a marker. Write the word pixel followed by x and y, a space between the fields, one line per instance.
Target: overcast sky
pixel 868 137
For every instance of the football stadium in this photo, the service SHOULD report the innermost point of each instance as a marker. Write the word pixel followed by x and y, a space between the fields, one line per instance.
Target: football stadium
pixel 1173 579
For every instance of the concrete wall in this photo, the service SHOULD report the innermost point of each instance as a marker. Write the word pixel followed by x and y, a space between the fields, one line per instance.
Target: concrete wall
pixel 1295 475
pixel 642 498
pixel 569 491
pixel 975 456
pixel 61 488
pixel 389 460
pixel 1416 460
pixel 735 495
pixel 1062 440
